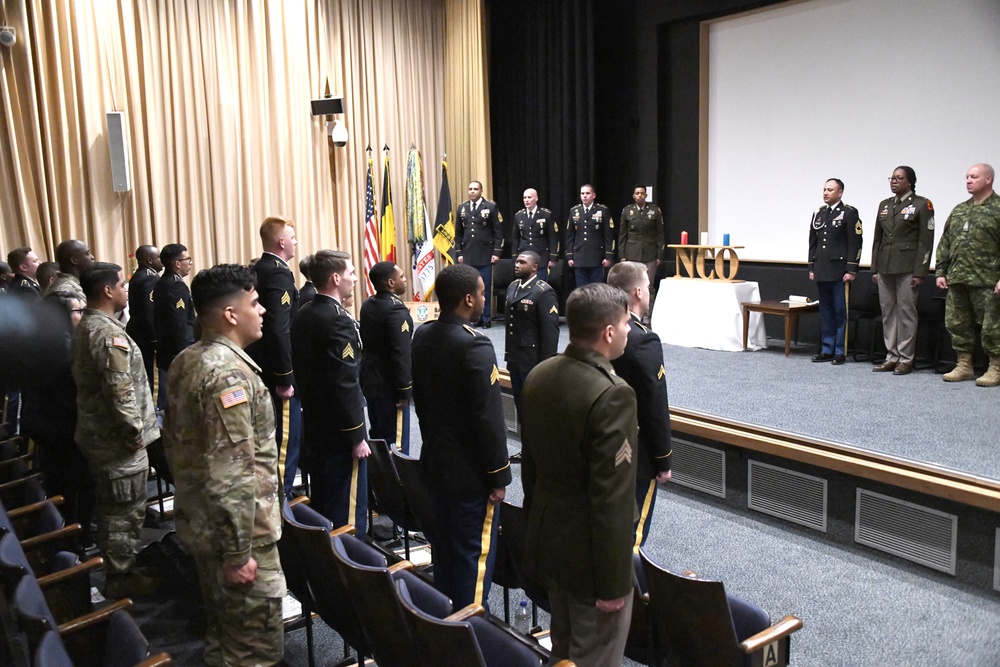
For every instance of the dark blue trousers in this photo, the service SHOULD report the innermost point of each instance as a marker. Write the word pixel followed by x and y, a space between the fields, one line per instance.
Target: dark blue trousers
pixel 833 315
pixel 487 273
pixel 592 274
pixel 338 483
pixel 389 423
pixel 463 555
pixel 288 434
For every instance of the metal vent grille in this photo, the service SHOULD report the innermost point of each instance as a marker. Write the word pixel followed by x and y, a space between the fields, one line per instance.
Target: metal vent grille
pixel 920 534
pixel 509 412
pixel 996 561
pixel 698 467
pixel 787 494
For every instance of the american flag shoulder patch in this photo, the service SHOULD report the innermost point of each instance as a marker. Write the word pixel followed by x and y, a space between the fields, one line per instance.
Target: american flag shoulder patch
pixel 233 397
pixel 118 341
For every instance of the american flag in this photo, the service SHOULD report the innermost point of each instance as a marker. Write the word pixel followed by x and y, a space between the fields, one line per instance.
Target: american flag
pixel 233 397
pixel 371 229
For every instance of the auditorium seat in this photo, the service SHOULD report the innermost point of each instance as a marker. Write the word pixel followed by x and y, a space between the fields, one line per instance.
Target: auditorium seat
pixel 418 497
pixel 503 276
pixel 697 624
pixel 23 491
pixel 369 584
pixel 124 646
pixel 508 571
pixel 864 311
pixel 464 638
pixel 295 576
pixel 387 488
pixel 313 534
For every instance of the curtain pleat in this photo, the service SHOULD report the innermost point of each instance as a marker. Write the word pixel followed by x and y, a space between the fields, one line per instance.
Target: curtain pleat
pixel 220 134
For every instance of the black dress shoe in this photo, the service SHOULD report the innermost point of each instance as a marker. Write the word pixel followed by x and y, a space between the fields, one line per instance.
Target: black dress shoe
pixel 817 358
pixel 515 458
pixel 838 360
pixel 487 324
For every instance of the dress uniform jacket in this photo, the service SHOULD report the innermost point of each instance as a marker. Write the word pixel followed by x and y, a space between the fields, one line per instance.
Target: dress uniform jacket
pixel 640 234
pixel 326 349
pixel 278 295
pixel 173 314
pixel 456 393
pixel 578 472
pixel 25 287
pixel 835 239
pixel 141 325
pixel 479 233
pixel 904 236
pixel 642 367
pixel 590 236
pixel 538 232
pixel 532 324
pixel 386 333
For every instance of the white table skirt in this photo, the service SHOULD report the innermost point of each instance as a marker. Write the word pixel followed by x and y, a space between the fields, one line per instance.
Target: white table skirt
pixel 706 314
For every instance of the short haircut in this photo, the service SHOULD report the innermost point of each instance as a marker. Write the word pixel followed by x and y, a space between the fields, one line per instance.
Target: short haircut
pixel 588 185
pixel 5 269
pixel 454 283
pixel 840 183
pixel 479 183
pixel 170 254
pixel 592 308
pixel 305 264
pixel 627 276
pixel 911 176
pixel 98 276
pixel 16 256
pixel 326 263
pixel 143 252
pixel 380 275
pixel 46 271
pixel 638 187
pixel 531 255
pixel 63 299
pixel 66 251
pixel 272 228
pixel 216 286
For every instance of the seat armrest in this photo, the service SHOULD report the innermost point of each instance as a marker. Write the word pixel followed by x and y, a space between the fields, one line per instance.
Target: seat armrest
pixel 93 618
pixel 779 630
pixel 158 660
pixel 401 565
pixel 25 510
pixel 45 538
pixel 343 530
pixel 56 578
pixel 467 612
pixel 565 663
pixel 297 500
pixel 14 483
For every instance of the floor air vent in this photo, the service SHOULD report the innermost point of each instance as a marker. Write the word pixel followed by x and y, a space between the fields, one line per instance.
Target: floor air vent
pixel 698 467
pixel 788 495
pixel 509 411
pixel 910 531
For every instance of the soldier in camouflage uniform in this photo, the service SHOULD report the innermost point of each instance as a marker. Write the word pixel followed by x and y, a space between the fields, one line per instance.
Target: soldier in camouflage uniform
pixel 219 434
pixel 968 266
pixel 115 423
pixel 74 258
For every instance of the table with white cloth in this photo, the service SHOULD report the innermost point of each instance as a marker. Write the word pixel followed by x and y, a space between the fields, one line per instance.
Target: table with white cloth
pixel 706 314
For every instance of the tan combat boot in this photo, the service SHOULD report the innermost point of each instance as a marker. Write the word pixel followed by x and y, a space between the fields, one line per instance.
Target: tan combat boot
pixel 962 371
pixel 991 377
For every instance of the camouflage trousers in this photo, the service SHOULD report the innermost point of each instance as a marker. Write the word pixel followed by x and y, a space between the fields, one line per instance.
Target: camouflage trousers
pixel 967 310
pixel 120 506
pixel 244 626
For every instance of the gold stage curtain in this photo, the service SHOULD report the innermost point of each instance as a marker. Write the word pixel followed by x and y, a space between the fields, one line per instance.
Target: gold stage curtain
pixel 216 98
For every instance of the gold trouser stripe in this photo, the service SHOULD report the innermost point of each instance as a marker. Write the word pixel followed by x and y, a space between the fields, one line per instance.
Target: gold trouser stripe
pixel 352 501
pixel 643 514
pixel 484 553
pixel 399 429
pixel 847 314
pixel 286 416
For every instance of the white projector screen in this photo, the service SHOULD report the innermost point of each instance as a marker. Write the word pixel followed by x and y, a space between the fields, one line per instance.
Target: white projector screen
pixel 845 89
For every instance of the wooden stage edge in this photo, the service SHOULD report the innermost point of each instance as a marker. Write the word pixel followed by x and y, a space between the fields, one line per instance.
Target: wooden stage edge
pixel 923 478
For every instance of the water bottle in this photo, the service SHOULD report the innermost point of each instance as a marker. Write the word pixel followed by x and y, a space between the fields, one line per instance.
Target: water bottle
pixel 522 618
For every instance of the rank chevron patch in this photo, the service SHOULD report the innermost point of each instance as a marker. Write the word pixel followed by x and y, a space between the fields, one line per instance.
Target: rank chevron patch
pixel 553 309
pixel 624 454
pixel 286 300
pixel 180 304
pixel 348 352
pixel 405 327
pixel 495 375
pixel 659 376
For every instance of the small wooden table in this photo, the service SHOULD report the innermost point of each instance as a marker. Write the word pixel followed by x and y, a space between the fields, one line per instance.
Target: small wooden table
pixel 790 311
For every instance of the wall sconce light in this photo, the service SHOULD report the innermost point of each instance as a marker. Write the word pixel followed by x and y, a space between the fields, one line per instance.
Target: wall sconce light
pixel 337 133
